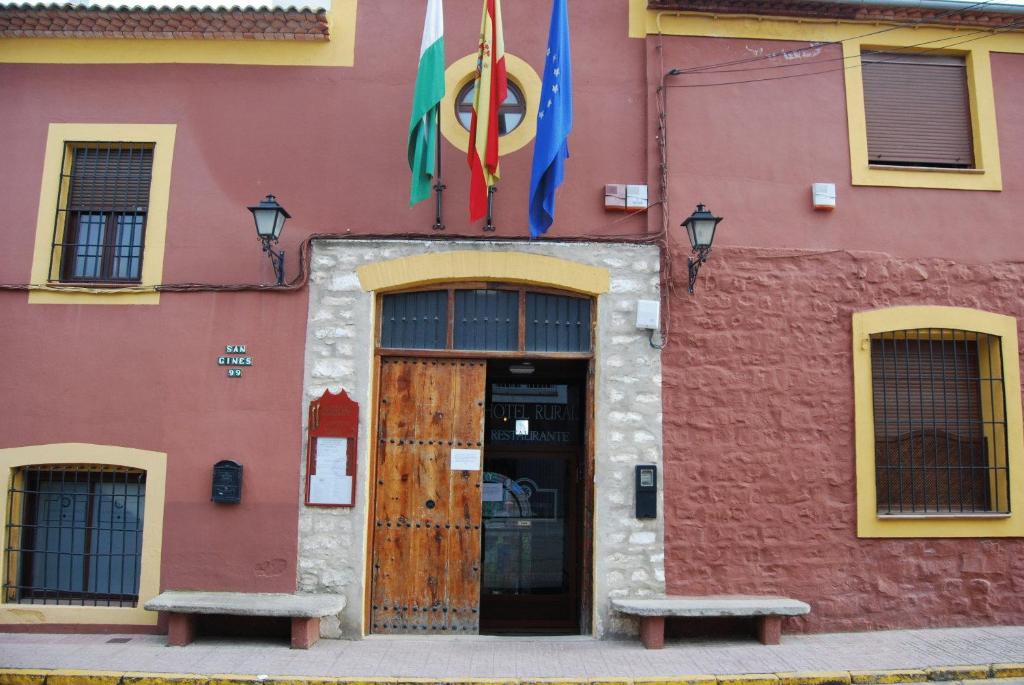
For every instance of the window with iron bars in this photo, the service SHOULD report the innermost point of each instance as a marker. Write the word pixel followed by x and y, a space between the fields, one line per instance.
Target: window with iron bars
pixel 940 422
pixel 74 535
pixel 99 229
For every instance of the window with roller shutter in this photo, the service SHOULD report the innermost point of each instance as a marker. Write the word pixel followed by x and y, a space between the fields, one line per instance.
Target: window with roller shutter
pixel 918 110
pixel 99 230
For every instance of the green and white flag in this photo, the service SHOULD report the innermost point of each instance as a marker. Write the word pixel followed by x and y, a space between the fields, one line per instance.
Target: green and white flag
pixel 426 104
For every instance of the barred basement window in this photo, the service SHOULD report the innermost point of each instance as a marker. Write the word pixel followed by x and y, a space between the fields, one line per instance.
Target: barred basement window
pixel 74 535
pixel 99 230
pixel 940 422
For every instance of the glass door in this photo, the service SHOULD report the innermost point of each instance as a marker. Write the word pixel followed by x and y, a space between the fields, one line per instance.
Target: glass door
pixel 530 568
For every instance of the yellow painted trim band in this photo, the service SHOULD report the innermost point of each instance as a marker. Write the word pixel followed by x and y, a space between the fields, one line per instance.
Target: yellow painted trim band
pixel 869 523
pixel 155 466
pixel 461 72
pixel 987 174
pixel 339 51
pixel 162 136
pixel 466 265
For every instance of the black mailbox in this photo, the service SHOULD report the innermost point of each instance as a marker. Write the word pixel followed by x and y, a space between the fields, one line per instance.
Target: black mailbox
pixel 646 491
pixel 227 482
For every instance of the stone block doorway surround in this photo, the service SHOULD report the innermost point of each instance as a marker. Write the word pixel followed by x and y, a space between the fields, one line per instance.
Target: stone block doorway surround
pixel 346 278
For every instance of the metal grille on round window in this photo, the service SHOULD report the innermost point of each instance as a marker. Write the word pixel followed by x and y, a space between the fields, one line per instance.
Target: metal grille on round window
pixel 940 422
pixel 99 230
pixel 74 535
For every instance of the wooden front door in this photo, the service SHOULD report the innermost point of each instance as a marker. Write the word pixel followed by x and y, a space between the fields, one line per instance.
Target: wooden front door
pixel 427 516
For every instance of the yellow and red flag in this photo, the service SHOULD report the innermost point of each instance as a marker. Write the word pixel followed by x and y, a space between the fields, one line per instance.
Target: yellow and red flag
pixel 491 90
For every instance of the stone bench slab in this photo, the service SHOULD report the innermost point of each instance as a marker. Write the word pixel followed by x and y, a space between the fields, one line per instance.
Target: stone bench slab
pixel 726 605
pixel 248 603
pixel 653 612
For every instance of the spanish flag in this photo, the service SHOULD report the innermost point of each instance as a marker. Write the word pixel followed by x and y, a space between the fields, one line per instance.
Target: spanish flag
pixel 490 91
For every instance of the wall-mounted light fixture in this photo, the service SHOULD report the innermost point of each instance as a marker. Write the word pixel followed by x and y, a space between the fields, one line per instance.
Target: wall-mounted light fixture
pixel 270 218
pixel 522 368
pixel 700 229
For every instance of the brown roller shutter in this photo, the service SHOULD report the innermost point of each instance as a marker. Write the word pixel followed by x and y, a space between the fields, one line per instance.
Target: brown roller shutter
pixel 918 111
pixel 110 177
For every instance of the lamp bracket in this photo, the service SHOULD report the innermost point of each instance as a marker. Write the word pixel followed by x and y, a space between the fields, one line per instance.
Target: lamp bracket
pixel 694 264
pixel 276 258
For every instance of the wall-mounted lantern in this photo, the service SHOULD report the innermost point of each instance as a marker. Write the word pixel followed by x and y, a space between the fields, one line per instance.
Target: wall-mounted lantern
pixel 270 218
pixel 700 229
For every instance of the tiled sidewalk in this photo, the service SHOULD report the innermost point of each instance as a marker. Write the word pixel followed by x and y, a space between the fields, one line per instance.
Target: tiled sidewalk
pixel 455 658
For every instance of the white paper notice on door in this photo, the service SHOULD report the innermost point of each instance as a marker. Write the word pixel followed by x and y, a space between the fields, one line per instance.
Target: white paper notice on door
pixel 465 460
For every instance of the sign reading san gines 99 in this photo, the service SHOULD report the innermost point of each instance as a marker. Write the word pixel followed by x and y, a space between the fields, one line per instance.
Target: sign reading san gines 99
pixel 233 358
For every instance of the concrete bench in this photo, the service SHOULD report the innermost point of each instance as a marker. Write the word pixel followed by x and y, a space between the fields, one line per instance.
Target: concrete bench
pixel 305 611
pixel 653 612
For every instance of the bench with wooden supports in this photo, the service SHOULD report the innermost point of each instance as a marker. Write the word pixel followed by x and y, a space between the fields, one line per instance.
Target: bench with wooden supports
pixel 305 611
pixel 653 612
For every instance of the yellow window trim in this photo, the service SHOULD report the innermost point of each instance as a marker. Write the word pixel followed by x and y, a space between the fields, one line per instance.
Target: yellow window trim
pixel 162 137
pixel 988 173
pixel 869 523
pixel 461 72
pixel 337 52
pixel 466 265
pixel 155 466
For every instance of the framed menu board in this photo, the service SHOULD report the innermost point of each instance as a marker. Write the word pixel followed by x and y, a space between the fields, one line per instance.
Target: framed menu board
pixel 331 451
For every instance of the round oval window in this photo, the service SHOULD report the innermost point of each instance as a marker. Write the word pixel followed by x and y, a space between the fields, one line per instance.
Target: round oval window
pixel 510 114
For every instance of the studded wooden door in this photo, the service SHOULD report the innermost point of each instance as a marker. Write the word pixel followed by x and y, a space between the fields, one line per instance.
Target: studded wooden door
pixel 427 516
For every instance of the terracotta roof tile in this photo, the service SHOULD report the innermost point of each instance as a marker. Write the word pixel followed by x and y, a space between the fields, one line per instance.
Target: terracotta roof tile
pixel 37 21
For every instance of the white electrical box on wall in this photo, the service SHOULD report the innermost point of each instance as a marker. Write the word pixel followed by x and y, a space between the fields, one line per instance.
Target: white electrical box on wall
pixel 648 314
pixel 824 195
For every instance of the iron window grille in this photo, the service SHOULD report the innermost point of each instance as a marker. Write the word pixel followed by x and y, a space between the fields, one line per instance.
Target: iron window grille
pixel 103 201
pixel 74 535
pixel 940 423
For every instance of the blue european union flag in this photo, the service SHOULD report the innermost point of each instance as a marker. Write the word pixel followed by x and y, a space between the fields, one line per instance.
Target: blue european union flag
pixel 554 122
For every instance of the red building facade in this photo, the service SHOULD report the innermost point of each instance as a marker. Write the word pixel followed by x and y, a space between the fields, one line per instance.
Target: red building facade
pixel 763 410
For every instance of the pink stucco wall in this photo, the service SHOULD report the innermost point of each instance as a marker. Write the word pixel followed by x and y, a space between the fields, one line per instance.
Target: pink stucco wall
pixel 759 457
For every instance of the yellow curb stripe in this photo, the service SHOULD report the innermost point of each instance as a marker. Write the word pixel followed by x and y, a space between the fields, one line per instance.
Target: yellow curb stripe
pixel 749 679
pixel 870 677
pixel 958 672
pixel 22 676
pixel 815 678
pixel 886 677
pixel 1009 670
pixel 163 679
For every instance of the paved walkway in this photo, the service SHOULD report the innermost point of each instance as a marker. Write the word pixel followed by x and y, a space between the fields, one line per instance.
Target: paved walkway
pixel 518 657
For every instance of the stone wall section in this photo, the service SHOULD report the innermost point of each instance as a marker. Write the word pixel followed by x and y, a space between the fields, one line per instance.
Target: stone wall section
pixel 628 553
pixel 759 443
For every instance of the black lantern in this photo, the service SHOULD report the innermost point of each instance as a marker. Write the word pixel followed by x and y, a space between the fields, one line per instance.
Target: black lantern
pixel 700 229
pixel 270 218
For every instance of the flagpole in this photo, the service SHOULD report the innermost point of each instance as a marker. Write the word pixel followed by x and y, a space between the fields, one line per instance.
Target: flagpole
pixel 489 226
pixel 439 185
